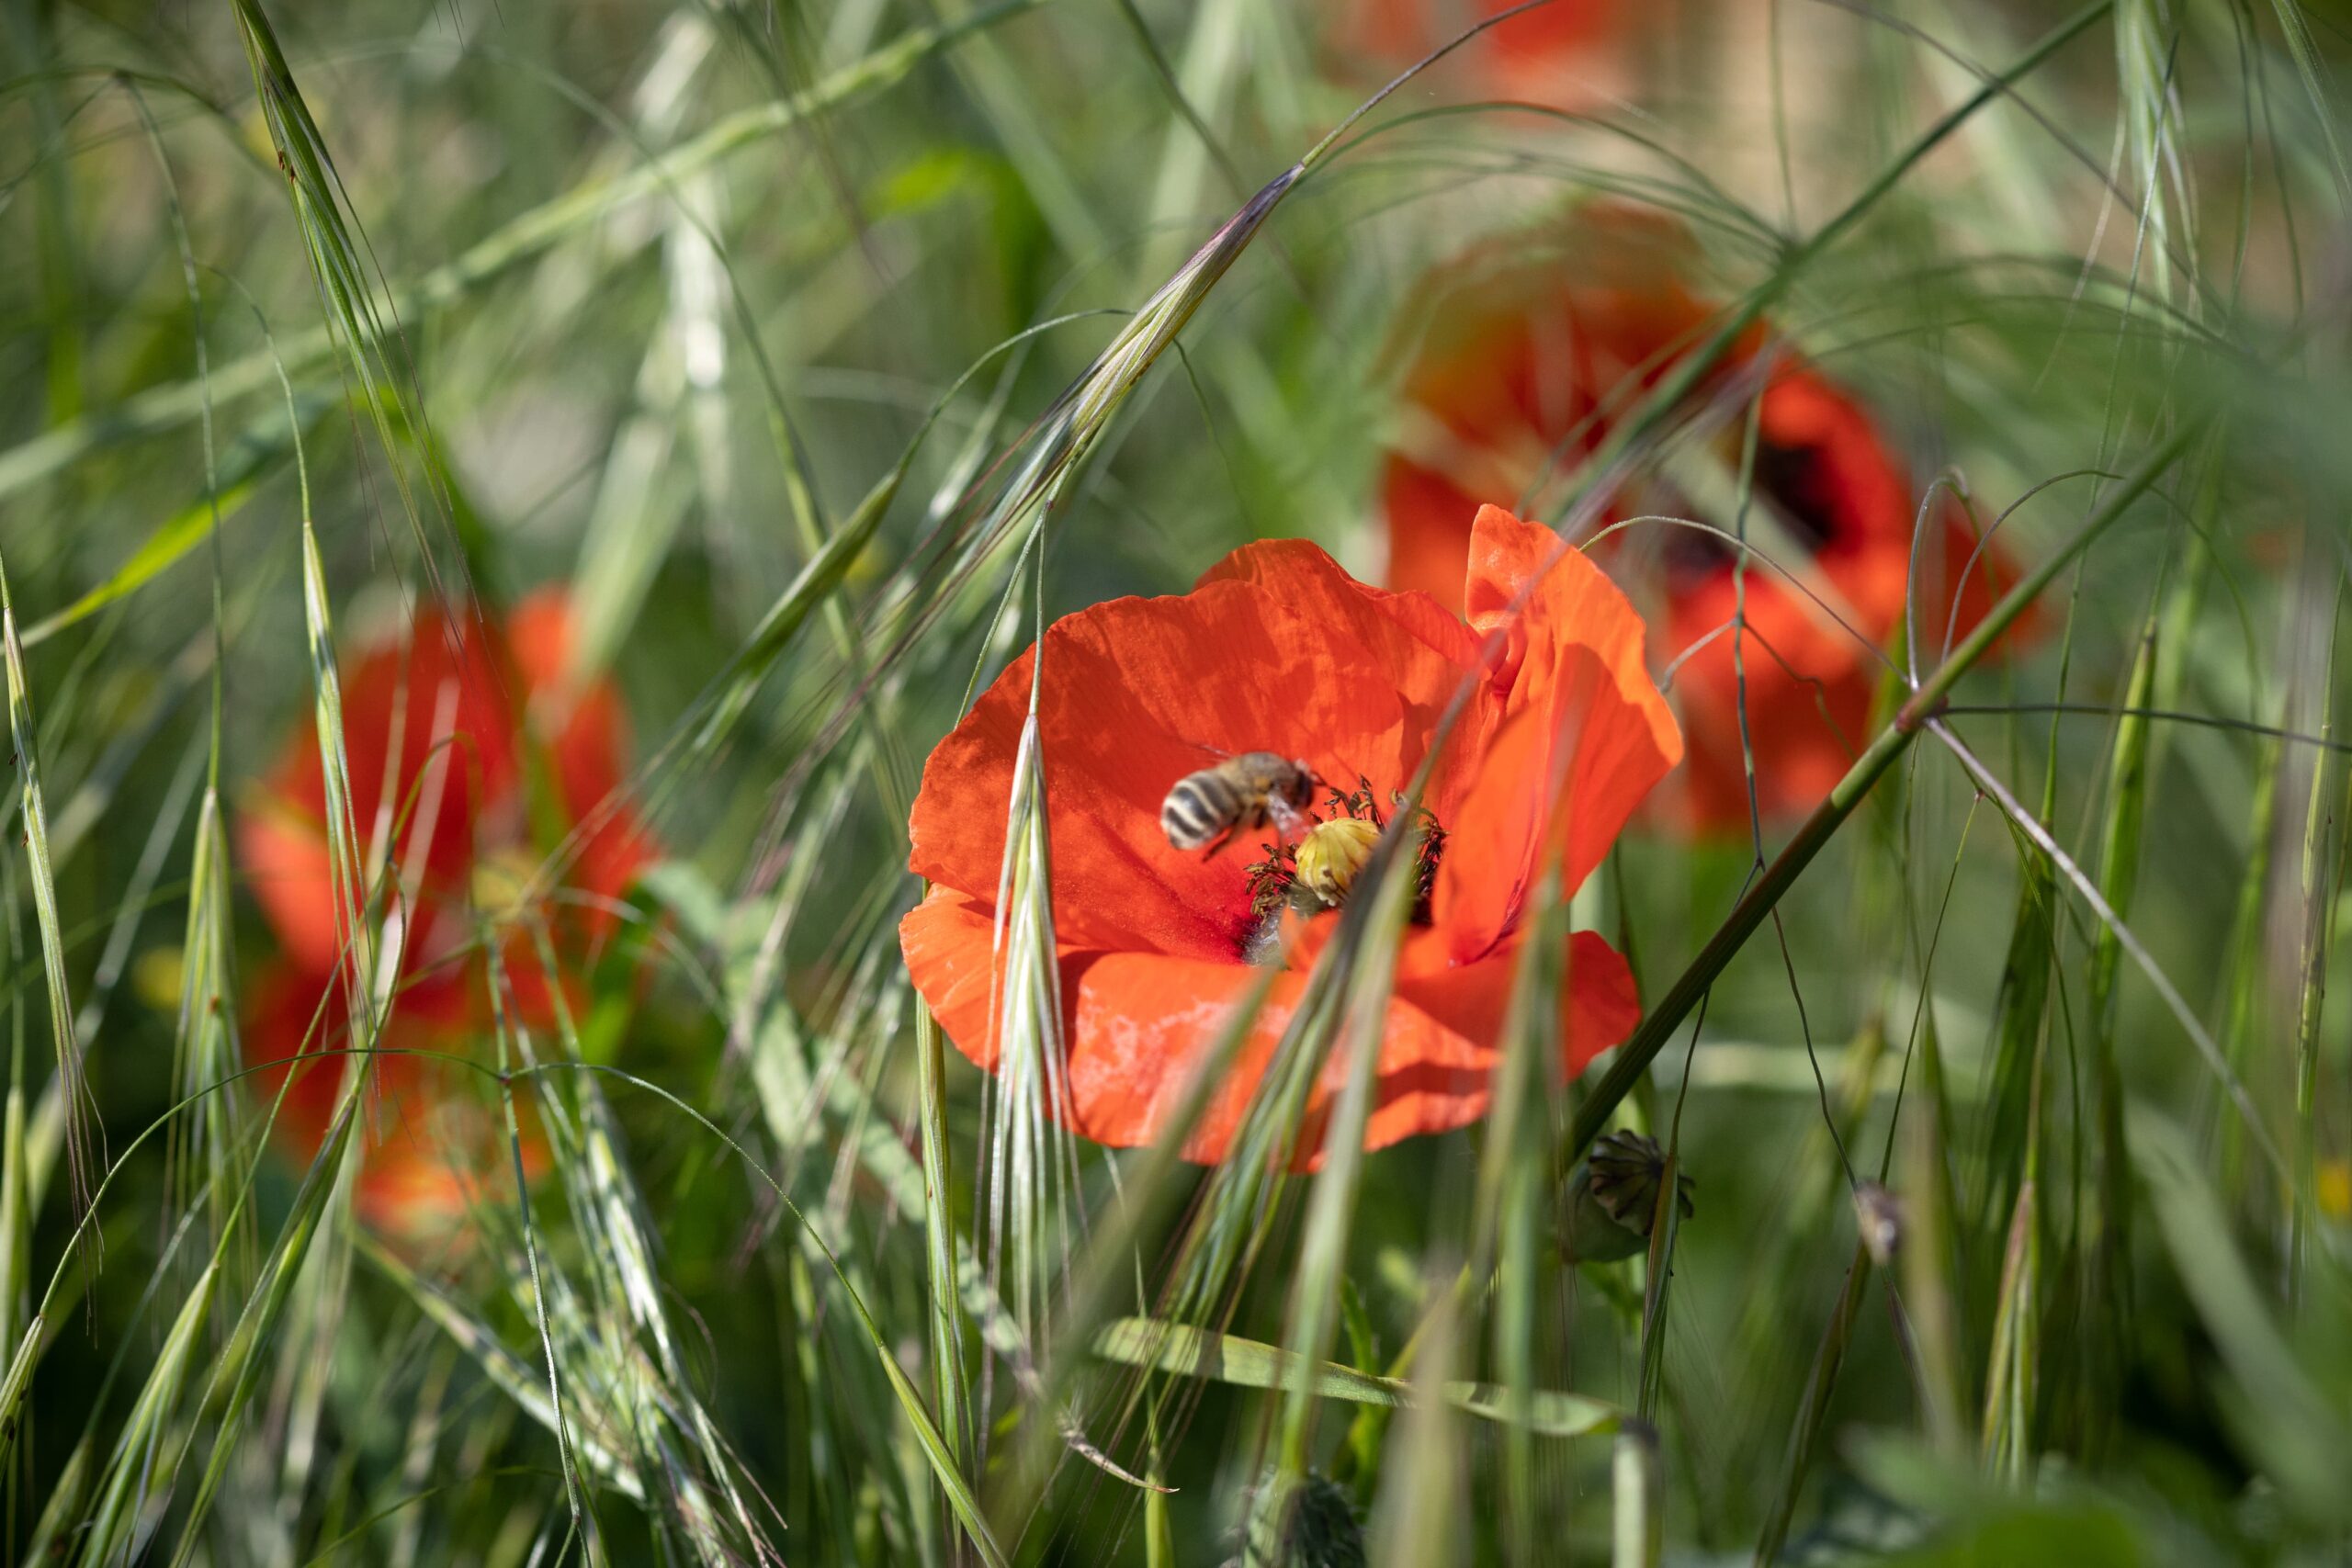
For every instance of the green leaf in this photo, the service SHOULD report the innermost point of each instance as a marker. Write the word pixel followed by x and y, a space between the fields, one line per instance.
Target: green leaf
pixel 1189 1352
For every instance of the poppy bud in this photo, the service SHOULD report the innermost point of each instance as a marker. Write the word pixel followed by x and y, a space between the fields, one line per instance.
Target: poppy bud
pixel 1611 1198
pixel 1331 855
pixel 1310 1523
pixel 1878 1216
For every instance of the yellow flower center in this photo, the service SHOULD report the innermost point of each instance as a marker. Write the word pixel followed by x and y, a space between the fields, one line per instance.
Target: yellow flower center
pixel 1332 853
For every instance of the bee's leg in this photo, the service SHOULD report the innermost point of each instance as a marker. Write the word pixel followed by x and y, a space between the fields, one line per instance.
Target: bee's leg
pixel 1219 842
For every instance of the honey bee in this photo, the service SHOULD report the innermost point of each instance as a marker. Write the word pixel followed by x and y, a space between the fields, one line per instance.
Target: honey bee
pixel 1209 808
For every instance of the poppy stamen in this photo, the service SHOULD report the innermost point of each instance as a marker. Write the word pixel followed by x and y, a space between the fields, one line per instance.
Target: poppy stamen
pixel 1317 872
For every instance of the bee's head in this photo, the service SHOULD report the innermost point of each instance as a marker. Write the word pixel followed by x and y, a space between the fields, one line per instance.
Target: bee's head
pixel 1300 787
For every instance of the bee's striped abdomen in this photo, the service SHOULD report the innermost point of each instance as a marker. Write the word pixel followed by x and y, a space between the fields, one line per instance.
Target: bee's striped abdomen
pixel 1201 806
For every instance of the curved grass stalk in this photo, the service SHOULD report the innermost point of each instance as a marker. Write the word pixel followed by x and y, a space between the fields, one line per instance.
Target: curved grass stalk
pixel 1659 1025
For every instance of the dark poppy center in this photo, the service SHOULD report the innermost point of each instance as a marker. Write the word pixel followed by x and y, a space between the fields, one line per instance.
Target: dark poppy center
pixel 1798 481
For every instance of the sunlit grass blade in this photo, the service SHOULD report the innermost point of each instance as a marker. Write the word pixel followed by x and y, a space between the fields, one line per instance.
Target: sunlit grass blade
pixel 1031 1175
pixel 313 1321
pixel 250 459
pixel 80 1106
pixel 324 1195
pixel 112 1527
pixel 1247 1363
pixel 1104 1275
pixel 612 1217
pixel 2013 1367
pixel 204 1042
pixel 908 1400
pixel 2146 51
pixel 346 853
pixel 351 288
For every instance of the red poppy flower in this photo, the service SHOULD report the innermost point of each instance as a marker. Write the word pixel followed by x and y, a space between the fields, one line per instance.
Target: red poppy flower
pixel 473 794
pixel 1570 52
pixel 1278 649
pixel 1529 359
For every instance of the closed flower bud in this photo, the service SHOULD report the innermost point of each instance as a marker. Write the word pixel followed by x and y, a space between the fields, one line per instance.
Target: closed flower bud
pixel 1331 855
pixel 1612 1199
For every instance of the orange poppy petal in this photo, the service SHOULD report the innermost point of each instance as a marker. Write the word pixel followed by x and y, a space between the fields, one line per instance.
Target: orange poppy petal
pixel 1291 657
pixel 282 858
pixel 1137 1023
pixel 1580 735
pixel 1304 571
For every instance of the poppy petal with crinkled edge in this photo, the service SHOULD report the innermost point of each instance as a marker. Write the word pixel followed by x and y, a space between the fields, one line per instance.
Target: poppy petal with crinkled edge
pixel 1560 734
pixel 1580 733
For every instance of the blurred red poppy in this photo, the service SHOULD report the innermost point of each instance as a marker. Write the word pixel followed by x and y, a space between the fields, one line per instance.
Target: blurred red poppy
pixel 461 794
pixel 1279 650
pixel 1529 358
pixel 1565 53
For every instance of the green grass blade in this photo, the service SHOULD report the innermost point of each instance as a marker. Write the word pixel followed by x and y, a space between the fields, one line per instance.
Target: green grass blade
pixel 2277 1407
pixel 1515 1196
pixel 2013 1369
pixel 1186 1351
pixel 1314 1313
pixel 950 1333
pixel 1805 1430
pixel 2106 1285
pixel 80 1106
